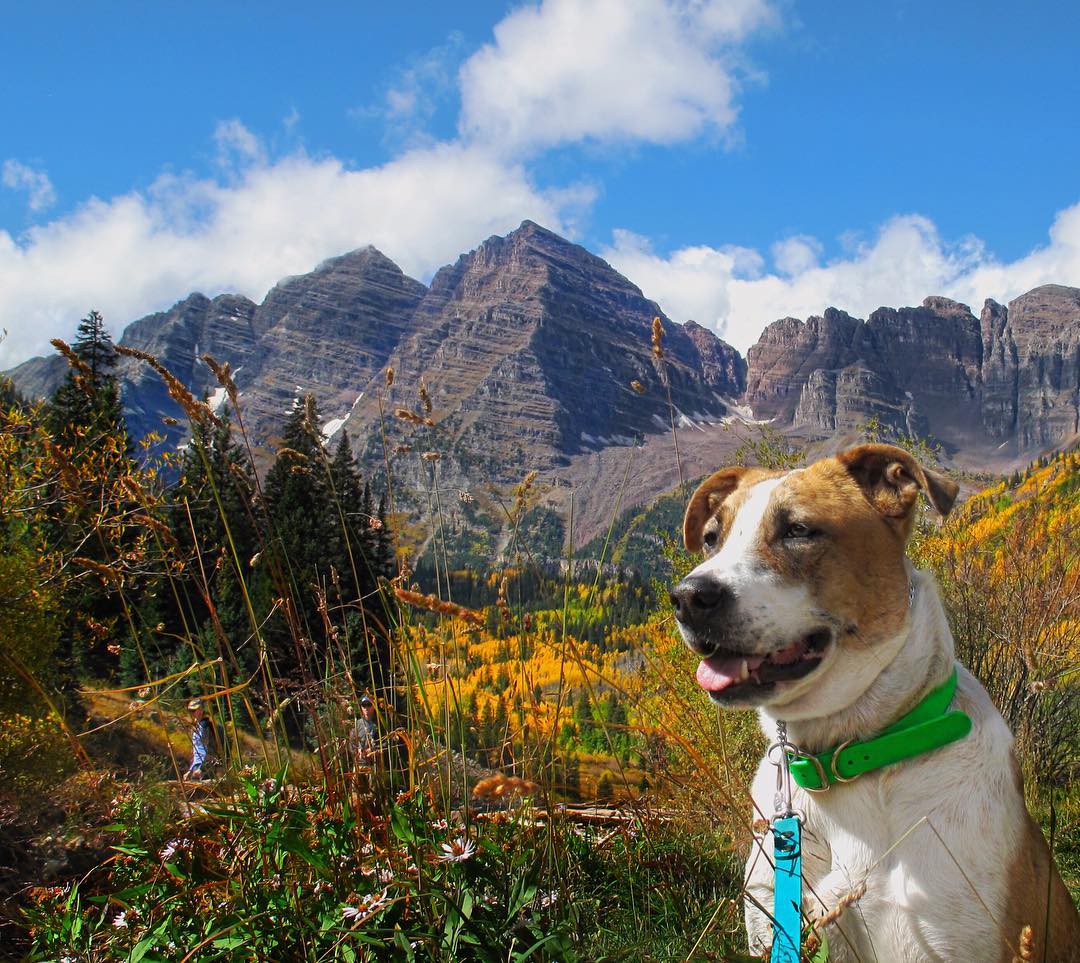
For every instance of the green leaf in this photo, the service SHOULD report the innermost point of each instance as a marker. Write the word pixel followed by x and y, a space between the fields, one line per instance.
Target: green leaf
pixel 821 955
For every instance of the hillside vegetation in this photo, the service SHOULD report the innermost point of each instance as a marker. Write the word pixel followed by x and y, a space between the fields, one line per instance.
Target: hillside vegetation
pixel 507 696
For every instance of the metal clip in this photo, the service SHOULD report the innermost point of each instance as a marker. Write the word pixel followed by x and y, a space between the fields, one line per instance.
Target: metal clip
pixel 782 801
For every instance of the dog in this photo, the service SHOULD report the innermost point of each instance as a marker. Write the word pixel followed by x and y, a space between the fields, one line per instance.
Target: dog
pixel 807 609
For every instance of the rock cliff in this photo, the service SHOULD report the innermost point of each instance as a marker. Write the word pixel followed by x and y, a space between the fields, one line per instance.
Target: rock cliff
pixel 537 354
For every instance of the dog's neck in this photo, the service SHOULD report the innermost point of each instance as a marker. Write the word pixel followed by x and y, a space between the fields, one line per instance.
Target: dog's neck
pixel 917 668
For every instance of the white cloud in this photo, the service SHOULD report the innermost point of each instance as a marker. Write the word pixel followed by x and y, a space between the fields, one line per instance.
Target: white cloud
pixel 141 252
pixel 237 145
pixel 20 177
pixel 726 288
pixel 692 283
pixel 562 71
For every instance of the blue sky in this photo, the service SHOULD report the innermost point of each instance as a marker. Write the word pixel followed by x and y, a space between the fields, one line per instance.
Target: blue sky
pixel 738 159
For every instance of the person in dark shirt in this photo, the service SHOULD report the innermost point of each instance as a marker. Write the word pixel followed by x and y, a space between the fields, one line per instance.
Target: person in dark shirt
pixel 363 740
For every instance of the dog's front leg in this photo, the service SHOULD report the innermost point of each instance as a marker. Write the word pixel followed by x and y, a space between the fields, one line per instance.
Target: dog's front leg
pixel 758 889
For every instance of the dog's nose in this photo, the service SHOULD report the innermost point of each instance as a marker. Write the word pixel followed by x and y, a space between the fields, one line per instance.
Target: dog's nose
pixel 699 597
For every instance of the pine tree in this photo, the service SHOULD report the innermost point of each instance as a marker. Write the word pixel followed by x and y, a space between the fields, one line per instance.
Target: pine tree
pixel 216 531
pixel 86 407
pixel 86 422
pixel 298 506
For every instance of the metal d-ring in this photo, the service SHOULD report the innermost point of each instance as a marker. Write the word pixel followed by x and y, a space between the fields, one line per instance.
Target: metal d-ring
pixel 835 756
pixel 822 777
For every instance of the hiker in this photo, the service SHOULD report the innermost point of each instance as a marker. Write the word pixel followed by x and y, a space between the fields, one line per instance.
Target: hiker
pixel 202 739
pixel 364 735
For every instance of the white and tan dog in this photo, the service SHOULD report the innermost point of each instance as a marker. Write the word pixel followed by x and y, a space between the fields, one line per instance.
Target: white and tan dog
pixel 807 609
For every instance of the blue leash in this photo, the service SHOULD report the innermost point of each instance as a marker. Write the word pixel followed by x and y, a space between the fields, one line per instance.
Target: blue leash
pixel 787 890
pixel 787 859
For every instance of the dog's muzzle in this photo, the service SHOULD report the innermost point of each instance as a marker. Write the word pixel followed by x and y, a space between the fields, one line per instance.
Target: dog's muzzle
pixel 701 604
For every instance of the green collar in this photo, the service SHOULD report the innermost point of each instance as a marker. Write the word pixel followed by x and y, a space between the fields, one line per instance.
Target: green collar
pixel 928 726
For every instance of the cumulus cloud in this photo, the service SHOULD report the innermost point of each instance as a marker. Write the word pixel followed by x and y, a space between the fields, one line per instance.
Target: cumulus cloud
pixel 142 251
pixel 38 187
pixel 729 289
pixel 657 71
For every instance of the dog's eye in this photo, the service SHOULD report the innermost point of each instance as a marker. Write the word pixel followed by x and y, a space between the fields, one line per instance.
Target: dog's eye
pixel 798 530
pixel 709 538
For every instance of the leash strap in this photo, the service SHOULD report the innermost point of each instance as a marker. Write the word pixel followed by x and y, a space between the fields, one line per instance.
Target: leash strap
pixel 926 727
pixel 787 890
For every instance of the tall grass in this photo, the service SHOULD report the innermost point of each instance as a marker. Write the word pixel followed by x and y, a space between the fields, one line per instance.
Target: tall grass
pixel 445 848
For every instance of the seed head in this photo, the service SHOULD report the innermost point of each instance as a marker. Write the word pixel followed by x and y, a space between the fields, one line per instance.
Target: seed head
pixel 657 337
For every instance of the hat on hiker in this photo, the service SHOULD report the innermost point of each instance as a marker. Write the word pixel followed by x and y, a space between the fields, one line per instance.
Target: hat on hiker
pixel 195 704
pixel 365 701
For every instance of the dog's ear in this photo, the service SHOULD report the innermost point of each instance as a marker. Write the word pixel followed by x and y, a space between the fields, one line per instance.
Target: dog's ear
pixel 705 501
pixel 891 480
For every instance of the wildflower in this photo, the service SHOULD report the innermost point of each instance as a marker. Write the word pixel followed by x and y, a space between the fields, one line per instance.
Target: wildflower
pixel 549 899
pixel 465 497
pixel 321 886
pixel 144 692
pixel 374 523
pixel 386 875
pixel 439 824
pixel 457 851
pixel 172 847
pixel 121 922
pixel 368 906
pixel 367 849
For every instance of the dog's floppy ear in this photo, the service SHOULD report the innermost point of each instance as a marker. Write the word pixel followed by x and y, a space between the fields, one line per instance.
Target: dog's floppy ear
pixel 704 502
pixel 891 480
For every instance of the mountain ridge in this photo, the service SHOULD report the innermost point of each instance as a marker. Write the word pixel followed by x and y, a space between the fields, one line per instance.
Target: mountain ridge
pixel 536 354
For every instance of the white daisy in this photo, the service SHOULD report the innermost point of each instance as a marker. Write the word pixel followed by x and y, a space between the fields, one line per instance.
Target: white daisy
pixel 457 851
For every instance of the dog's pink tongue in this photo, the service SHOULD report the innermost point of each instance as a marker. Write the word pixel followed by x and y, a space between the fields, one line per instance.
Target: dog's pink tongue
pixel 720 671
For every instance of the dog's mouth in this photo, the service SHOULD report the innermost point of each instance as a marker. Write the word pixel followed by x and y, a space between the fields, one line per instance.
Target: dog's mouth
pixel 730 673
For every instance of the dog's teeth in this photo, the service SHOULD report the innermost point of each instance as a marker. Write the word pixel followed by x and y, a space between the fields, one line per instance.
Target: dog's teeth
pixel 744 671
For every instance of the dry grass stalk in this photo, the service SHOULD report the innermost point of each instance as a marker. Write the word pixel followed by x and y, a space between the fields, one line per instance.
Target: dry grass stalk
pixel 838 910
pixel 1026 949
pixel 103 572
pixel 501 786
pixel 638 386
pixel 223 373
pixel 405 415
pixel 425 398
pixel 196 410
pixel 521 492
pixel 432 604
pixel 72 358
pixel 389 377
pixel 657 338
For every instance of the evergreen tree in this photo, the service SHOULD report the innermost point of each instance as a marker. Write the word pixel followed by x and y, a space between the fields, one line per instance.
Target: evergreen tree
pixel 86 408
pixel 216 532
pixel 87 425
pixel 298 506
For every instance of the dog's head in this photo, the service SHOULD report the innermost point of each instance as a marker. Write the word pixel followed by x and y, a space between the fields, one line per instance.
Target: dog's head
pixel 804 584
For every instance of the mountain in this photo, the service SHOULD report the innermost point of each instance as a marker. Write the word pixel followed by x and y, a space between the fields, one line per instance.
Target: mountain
pixel 528 347
pixel 1006 383
pixel 534 354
